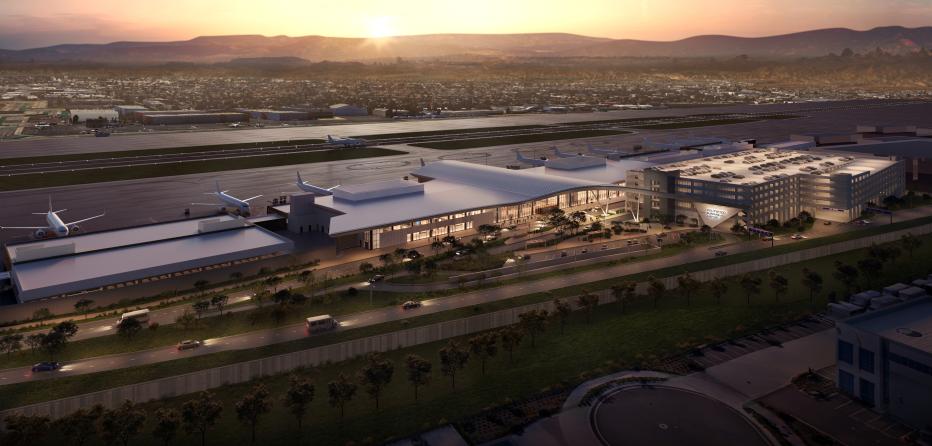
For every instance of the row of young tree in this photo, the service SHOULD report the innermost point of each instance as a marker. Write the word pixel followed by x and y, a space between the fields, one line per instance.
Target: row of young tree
pixel 198 416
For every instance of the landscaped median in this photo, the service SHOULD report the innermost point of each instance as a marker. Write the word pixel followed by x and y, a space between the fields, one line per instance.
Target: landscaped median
pixel 637 334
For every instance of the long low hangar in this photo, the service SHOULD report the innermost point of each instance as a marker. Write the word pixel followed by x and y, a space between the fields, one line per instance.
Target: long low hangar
pixel 111 259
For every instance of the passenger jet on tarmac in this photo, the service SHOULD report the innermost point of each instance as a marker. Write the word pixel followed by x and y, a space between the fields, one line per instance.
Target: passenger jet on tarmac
pixel 308 187
pixel 54 225
pixel 224 199
pixel 346 142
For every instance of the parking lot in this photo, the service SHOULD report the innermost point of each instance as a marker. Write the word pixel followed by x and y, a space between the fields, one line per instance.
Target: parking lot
pixel 837 415
pixel 712 355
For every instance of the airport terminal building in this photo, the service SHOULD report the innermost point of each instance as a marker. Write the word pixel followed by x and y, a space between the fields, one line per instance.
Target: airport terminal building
pixel 722 182
pixel 124 257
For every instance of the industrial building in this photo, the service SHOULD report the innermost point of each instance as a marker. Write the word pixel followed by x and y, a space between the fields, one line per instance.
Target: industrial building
pixel 276 115
pixel 714 184
pixel 190 117
pixel 348 110
pixel 884 359
pixel 124 257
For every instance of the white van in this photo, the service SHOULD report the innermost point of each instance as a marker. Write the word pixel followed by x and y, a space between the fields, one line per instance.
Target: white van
pixel 140 315
pixel 324 322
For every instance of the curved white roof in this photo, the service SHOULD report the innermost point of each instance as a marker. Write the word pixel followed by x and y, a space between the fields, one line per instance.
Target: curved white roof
pixel 522 182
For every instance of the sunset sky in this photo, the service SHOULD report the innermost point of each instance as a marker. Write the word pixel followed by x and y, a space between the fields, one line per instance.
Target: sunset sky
pixel 26 23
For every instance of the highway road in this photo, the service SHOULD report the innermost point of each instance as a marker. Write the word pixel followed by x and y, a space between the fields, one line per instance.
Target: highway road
pixel 135 202
pixel 387 314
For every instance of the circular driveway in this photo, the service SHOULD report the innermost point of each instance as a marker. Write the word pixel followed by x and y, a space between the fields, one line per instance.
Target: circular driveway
pixel 661 416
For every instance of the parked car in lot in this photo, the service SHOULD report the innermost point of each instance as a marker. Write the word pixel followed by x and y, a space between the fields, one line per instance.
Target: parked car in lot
pixel 188 344
pixel 376 278
pixel 462 252
pixel 411 304
pixel 413 255
pixel 721 253
pixel 46 366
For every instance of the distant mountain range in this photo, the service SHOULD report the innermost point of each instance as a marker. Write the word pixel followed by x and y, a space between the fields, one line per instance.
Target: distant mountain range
pixel 255 48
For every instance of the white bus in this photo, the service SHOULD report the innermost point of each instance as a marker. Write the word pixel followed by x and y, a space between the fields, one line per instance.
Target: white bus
pixel 140 315
pixel 324 322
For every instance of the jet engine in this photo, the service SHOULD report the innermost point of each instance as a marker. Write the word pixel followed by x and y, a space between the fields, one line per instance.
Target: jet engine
pixel 40 233
pixel 74 228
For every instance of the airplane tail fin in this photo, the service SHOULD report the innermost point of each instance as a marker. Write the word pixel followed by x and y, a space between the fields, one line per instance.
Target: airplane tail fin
pixel 423 163
pixel 329 138
pixel 50 203
pixel 299 178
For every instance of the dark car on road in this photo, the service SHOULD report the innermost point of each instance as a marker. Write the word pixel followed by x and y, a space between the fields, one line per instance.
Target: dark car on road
pixel 413 255
pixel 376 278
pixel 46 366
pixel 721 253
pixel 188 344
pixel 411 304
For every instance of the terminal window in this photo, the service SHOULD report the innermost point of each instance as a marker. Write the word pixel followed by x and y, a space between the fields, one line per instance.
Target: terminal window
pixel 866 360
pixel 846 381
pixel 845 352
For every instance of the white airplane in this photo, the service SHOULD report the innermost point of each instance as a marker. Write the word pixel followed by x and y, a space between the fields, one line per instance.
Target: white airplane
pixel 224 199
pixel 346 142
pixel 308 187
pixel 54 224
pixel 531 161
pixel 561 154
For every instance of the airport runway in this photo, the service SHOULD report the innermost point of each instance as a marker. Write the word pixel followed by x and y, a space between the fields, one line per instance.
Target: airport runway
pixel 59 145
pixel 135 202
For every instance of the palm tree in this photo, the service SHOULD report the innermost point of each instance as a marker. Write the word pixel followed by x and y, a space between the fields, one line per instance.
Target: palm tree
pixel 846 274
pixel 453 357
pixel 341 391
pixel 910 243
pixel 688 285
pixel 778 284
pixel 375 375
pixel 121 424
pixel 80 425
pixel 418 372
pixel 718 288
pixel 167 422
pixel 533 322
pixel 563 311
pixel 200 414
pixel 511 337
pixel 298 397
pixel 587 302
pixel 483 346
pixel 436 246
pixel 655 289
pixel 751 285
pixel 83 306
pixel 219 301
pixel 201 285
pixel 25 429
pixel 813 282
pixel 273 282
pixel 251 408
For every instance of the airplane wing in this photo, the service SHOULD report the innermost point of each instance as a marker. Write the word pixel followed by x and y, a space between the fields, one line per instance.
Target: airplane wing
pixel 23 227
pixel 84 220
pixel 206 204
pixel 252 198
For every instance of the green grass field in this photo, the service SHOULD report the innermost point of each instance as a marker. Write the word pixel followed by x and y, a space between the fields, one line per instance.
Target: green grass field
pixel 614 340
pixel 186 168
pixel 447 132
pixel 148 152
pixel 518 139
pixel 711 122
